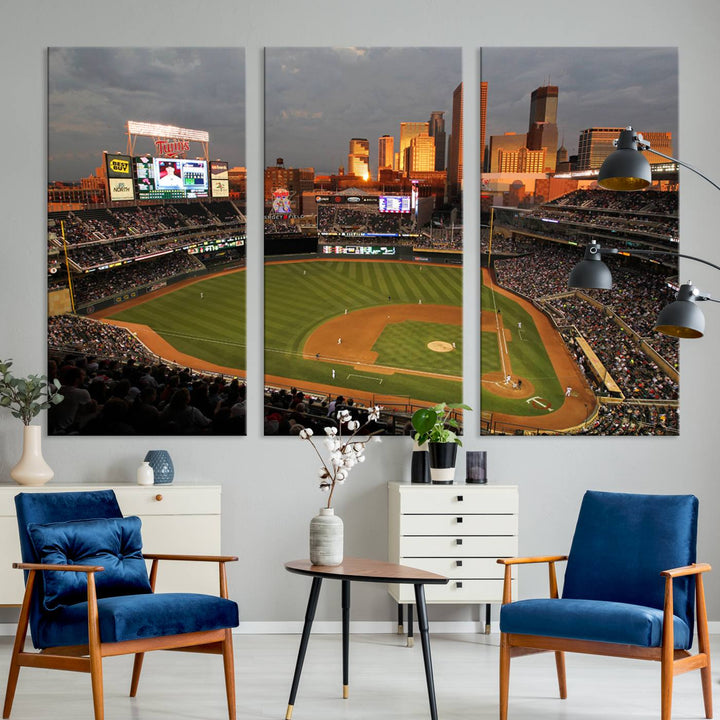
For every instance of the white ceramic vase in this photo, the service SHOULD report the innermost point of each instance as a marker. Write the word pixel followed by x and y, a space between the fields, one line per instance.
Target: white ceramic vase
pixel 32 468
pixel 145 474
pixel 326 538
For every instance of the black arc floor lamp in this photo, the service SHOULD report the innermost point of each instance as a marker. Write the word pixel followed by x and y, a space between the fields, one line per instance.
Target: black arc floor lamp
pixel 626 169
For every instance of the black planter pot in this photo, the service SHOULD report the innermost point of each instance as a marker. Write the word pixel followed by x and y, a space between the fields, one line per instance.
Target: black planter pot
pixel 442 462
pixel 420 467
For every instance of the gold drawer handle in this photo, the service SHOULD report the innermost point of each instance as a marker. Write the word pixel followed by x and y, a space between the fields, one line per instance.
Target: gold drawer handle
pixel 158 497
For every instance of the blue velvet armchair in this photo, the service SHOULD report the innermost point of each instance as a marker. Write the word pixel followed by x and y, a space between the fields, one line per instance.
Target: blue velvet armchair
pixel 630 582
pixel 88 594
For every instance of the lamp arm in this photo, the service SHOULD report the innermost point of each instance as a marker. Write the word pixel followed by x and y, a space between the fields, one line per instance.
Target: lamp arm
pixel 643 145
pixel 615 251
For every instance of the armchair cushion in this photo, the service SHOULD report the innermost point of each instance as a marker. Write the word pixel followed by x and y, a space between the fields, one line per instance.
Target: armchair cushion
pixel 138 616
pixel 113 543
pixel 598 620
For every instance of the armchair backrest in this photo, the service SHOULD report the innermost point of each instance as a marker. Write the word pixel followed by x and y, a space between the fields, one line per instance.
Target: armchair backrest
pixel 44 508
pixel 624 541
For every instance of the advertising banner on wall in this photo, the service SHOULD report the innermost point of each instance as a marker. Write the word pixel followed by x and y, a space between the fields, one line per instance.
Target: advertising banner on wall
pixel 119 175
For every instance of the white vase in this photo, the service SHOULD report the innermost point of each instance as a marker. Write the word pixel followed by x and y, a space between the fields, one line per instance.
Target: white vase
pixel 32 468
pixel 326 538
pixel 145 474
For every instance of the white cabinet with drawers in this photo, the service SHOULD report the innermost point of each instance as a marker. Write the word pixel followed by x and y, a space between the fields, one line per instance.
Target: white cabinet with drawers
pixel 176 518
pixel 455 530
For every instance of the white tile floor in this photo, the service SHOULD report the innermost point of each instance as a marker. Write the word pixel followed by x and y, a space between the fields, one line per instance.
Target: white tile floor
pixel 386 682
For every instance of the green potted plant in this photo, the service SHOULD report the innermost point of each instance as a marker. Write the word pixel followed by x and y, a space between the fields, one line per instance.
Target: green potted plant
pixel 26 398
pixel 435 426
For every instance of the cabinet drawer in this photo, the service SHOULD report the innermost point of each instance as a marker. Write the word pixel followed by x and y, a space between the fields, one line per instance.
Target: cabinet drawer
pixel 468 568
pixel 472 591
pixel 458 525
pixel 458 546
pixel 458 499
pixel 167 500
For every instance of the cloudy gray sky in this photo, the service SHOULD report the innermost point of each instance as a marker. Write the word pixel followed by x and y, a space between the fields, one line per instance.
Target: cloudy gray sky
pixel 598 87
pixel 316 99
pixel 93 92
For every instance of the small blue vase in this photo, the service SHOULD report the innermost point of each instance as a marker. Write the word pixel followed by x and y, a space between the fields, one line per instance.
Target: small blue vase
pixel 162 466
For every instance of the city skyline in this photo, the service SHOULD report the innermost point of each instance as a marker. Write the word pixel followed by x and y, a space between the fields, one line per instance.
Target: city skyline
pixel 598 87
pixel 93 92
pixel 317 99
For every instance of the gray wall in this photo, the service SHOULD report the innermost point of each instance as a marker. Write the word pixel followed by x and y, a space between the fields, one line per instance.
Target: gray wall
pixel 269 484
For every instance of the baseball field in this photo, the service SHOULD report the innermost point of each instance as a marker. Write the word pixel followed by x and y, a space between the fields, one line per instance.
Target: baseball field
pixel 529 378
pixel 367 328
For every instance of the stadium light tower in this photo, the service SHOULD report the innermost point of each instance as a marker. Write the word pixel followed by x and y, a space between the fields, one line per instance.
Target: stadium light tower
pixel 626 169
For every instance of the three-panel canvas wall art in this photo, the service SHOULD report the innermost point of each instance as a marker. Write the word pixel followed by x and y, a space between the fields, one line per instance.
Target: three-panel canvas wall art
pixel 363 230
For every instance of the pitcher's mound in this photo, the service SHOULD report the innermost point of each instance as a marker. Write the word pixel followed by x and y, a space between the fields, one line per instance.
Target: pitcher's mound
pixel 440 346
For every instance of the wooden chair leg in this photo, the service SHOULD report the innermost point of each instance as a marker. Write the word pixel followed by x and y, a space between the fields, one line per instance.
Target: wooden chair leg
pixel 137 668
pixel 562 682
pixel 19 645
pixel 96 671
pixel 704 645
pixel 504 675
pixel 229 665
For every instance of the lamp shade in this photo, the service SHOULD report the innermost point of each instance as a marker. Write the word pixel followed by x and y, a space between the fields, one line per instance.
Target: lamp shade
pixel 682 318
pixel 591 273
pixel 625 168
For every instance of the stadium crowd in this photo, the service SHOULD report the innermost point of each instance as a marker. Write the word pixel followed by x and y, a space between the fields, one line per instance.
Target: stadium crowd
pixel 334 219
pixel 124 390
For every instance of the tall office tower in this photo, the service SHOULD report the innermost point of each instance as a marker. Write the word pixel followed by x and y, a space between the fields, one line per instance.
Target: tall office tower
pixel 421 154
pixel 455 149
pixel 408 130
pixel 437 131
pixel 542 126
pixel 520 161
pixel 386 152
pixel 483 122
pixel 359 158
pixel 595 144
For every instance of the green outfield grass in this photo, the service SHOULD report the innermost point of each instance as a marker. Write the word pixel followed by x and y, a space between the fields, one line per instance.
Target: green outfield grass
pixel 301 296
pixel 211 328
pixel 528 358
pixel 405 345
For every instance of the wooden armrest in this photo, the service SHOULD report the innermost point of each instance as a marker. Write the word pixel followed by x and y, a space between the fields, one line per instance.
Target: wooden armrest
pixel 528 560
pixel 67 568
pixel 194 558
pixel 693 569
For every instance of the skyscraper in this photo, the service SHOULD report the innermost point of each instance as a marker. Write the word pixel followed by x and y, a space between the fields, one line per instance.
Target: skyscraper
pixel 437 131
pixel 542 126
pixel 595 144
pixel 359 158
pixel 421 154
pixel 386 151
pixel 408 130
pixel 455 148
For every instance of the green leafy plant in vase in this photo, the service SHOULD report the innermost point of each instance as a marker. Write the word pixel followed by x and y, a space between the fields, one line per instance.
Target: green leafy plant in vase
pixel 436 426
pixel 26 398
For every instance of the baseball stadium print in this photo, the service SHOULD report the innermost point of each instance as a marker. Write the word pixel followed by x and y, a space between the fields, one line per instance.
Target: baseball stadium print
pixel 363 234
pixel 556 359
pixel 146 240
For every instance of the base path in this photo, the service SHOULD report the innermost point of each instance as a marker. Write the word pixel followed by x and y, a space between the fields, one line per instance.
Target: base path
pixel 576 409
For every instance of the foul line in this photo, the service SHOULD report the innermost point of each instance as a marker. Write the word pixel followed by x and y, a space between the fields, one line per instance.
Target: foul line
pixel 366 377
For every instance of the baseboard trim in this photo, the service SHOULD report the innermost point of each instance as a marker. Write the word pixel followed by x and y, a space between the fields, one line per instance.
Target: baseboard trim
pixel 294 627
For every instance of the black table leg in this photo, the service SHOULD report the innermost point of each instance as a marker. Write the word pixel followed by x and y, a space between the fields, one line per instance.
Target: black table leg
pixel 309 615
pixel 400 629
pixel 410 637
pixel 487 618
pixel 425 640
pixel 346 635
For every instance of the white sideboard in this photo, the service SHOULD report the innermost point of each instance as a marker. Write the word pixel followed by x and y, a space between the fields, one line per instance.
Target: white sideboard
pixel 457 530
pixel 176 518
